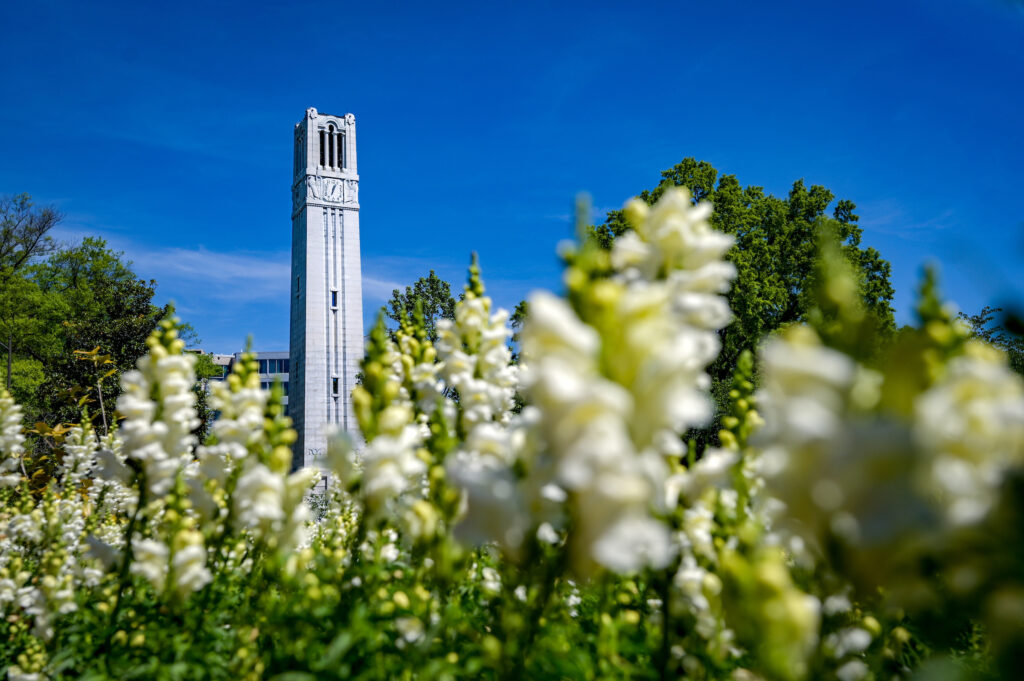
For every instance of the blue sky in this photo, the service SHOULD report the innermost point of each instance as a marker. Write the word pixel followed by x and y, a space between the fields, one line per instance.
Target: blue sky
pixel 167 130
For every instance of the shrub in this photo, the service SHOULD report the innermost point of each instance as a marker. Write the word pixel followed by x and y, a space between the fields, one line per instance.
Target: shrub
pixel 856 522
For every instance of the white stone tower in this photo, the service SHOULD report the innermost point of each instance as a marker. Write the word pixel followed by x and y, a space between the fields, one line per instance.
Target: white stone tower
pixel 326 339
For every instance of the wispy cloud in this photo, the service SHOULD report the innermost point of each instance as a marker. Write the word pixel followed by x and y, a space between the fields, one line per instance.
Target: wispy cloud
pixel 889 216
pixel 244 276
pixel 378 290
pixel 237 276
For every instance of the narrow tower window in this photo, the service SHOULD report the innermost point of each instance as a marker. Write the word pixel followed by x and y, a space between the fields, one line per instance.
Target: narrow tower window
pixel 322 150
pixel 334 299
pixel 330 145
pixel 334 386
pixel 341 150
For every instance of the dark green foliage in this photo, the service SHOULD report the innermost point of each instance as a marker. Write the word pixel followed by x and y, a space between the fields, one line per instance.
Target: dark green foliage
pixel 433 293
pixel 56 300
pixel 516 322
pixel 205 370
pixel 99 302
pixel 24 236
pixel 991 325
pixel 24 232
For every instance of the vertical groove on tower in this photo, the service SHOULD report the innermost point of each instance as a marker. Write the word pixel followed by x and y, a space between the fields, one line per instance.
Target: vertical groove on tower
pixel 336 417
pixel 326 318
pixel 346 388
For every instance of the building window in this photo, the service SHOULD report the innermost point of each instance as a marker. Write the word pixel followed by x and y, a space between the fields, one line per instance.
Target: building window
pixel 334 386
pixel 273 366
pixel 334 299
pixel 333 153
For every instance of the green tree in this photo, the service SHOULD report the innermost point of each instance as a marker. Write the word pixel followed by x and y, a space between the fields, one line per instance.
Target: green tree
pixel 433 292
pixel 27 333
pixel 24 236
pixel 24 231
pixel 205 370
pixel 990 326
pixel 516 321
pixel 97 301
pixel 777 253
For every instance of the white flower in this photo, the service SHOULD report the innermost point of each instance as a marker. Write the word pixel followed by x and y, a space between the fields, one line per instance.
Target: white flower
pixel 162 446
pixel 189 564
pixel 15 673
pixel 295 529
pixel 805 388
pixel 475 360
pixel 633 543
pixel 556 331
pixel 150 562
pixel 258 499
pixel 616 388
pixel 108 555
pixel 389 553
pixel 971 424
pixel 877 480
pixel 854 670
pixel 494 507
pixel 112 467
pixel 689 579
pixel 711 470
pixel 490 581
pixel 547 534
pixel 12 439
pixel 409 628
pixel 79 457
pixel 836 604
pixel 391 466
pixel 341 455
pixel 851 641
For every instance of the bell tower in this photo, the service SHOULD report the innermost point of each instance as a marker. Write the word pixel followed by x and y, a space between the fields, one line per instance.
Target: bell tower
pixel 326 334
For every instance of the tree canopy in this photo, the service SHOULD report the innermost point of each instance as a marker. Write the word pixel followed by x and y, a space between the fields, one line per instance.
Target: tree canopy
pixel 24 231
pixel 990 325
pixel 60 305
pixel 106 306
pixel 433 293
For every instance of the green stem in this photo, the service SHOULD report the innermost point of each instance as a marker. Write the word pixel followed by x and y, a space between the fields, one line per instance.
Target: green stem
pixel 547 588
pixel 122 579
pixel 665 653
pixel 103 411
